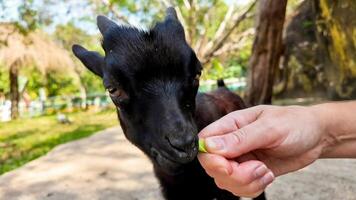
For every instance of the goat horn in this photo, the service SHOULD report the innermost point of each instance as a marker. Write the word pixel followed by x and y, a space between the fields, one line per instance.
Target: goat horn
pixel 104 23
pixel 171 13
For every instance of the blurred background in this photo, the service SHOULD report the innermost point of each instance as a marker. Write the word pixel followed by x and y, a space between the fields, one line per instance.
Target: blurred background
pixel 281 52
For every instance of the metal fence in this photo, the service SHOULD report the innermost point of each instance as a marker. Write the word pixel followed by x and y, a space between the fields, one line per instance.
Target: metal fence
pixel 52 105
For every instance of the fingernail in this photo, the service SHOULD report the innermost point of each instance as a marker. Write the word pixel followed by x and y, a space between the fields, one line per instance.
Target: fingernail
pixel 260 171
pixel 268 178
pixel 214 143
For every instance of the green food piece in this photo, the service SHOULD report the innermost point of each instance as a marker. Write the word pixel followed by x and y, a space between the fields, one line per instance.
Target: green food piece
pixel 202 146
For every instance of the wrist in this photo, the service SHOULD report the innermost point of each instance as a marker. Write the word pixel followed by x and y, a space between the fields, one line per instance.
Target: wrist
pixel 337 129
pixel 328 137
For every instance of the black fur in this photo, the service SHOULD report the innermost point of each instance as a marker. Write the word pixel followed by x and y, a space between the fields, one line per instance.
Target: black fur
pixel 153 78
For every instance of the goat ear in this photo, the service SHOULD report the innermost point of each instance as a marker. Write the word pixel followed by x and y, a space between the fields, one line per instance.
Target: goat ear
pixel 104 24
pixel 171 14
pixel 173 23
pixel 91 59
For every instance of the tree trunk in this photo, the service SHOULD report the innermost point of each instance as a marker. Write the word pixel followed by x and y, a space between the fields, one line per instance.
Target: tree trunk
pixel 82 90
pixel 337 38
pixel 83 96
pixel 267 49
pixel 14 90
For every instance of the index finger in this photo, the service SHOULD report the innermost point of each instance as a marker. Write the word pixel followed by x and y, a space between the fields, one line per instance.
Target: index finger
pixel 231 122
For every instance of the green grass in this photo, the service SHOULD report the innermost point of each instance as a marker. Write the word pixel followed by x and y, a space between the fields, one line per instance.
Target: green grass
pixel 24 140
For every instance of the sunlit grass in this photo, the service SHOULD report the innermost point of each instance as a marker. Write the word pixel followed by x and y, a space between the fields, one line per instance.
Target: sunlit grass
pixel 24 140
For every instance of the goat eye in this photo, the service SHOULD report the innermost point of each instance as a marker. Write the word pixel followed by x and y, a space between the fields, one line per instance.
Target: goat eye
pixel 118 97
pixel 196 79
pixel 188 105
pixel 115 92
pixel 197 76
pixel 111 90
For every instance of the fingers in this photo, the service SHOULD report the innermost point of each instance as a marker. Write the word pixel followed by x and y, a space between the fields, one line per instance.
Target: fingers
pixel 253 189
pixel 253 136
pixel 245 173
pixel 247 179
pixel 231 122
pixel 257 177
pixel 240 174
pixel 215 164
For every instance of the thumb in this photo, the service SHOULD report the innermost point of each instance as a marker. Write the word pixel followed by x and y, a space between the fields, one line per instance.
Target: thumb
pixel 248 138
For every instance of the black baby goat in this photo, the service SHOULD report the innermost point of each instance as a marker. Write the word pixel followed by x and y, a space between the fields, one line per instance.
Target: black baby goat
pixel 153 78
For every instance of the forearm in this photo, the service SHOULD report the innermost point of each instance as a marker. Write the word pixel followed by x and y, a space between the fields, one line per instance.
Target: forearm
pixel 338 121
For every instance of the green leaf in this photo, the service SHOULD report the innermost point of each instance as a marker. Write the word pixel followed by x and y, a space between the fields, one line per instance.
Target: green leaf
pixel 202 146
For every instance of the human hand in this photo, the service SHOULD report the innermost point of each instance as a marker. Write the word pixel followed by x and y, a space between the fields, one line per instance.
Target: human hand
pixel 248 148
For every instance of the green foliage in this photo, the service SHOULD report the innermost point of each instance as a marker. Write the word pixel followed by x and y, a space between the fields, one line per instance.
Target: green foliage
pixel 218 68
pixel 145 11
pixel 235 66
pixel 28 17
pixel 92 83
pixel 60 84
pixel 211 25
pixel 24 140
pixel 142 11
pixel 4 80
pixel 68 34
pixel 56 83
pixel 235 70
pixel 232 69
pixel 307 24
pixel 131 6
pixel 35 80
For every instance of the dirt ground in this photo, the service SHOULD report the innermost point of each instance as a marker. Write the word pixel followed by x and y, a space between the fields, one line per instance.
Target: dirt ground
pixel 105 166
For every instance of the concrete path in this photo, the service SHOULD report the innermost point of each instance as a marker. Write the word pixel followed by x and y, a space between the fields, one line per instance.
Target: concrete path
pixel 105 166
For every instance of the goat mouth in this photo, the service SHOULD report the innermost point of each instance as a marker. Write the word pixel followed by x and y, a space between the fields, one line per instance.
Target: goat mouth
pixel 165 162
pixel 184 156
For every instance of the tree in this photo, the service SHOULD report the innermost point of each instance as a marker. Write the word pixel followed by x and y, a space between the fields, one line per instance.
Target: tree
pixel 27 24
pixel 337 33
pixel 319 55
pixel 267 49
pixel 31 49
pixel 22 44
